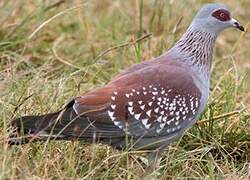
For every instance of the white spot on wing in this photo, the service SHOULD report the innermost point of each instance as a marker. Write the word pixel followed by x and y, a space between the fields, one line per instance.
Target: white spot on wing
pixel 149 112
pixel 117 123
pixel 111 113
pixel 159 119
pixel 130 109
pixel 130 103
pixel 168 122
pixel 147 126
pixel 113 106
pixel 154 93
pixel 144 121
pixel 162 125
pixel 156 110
pixel 158 131
pixel 159 99
pixel 142 107
pixel 196 103
pixel 165 119
pixel 137 116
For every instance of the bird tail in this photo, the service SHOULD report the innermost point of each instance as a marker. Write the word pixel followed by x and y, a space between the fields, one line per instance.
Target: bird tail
pixel 42 127
pixel 27 128
pixel 65 124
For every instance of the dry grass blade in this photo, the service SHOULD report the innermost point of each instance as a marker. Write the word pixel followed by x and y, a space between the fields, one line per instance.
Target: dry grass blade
pixel 52 18
pixel 122 45
pixel 60 59
pixel 226 115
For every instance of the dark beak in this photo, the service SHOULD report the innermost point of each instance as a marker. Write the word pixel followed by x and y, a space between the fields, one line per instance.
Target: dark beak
pixel 237 25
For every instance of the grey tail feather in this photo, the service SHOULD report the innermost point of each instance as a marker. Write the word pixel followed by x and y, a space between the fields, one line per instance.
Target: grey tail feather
pixel 65 124
pixel 27 128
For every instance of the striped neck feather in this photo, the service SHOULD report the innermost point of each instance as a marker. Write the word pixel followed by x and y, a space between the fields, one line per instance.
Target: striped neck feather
pixel 195 48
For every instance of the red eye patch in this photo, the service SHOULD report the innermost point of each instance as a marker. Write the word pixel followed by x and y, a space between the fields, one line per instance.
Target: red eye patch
pixel 222 15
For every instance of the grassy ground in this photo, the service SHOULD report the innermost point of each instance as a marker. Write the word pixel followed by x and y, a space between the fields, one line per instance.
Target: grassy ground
pixel 50 52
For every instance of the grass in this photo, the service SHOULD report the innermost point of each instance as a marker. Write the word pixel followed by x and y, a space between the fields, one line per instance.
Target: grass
pixel 51 51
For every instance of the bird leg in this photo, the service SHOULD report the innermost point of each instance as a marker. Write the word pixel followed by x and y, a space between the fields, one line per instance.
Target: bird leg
pixel 154 160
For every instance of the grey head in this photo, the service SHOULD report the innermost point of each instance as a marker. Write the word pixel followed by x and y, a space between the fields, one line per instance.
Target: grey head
pixel 214 18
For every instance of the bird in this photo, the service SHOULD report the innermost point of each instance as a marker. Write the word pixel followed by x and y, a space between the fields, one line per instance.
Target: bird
pixel 148 105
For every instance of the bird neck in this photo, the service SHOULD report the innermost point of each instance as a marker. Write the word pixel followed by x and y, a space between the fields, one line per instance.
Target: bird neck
pixel 195 49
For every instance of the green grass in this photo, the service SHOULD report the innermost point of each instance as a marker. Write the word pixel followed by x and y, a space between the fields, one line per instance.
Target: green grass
pixel 50 53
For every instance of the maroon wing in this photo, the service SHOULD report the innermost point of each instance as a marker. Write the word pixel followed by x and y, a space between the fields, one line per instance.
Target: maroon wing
pixel 156 100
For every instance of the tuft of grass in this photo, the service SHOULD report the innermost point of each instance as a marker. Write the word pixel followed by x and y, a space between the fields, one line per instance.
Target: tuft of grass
pixel 51 51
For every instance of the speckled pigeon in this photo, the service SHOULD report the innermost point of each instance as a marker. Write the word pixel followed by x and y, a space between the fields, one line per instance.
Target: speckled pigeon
pixel 147 106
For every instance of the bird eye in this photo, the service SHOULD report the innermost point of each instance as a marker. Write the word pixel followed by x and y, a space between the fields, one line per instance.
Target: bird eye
pixel 222 15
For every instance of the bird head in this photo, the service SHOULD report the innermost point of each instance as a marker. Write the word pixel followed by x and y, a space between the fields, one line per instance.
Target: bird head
pixel 214 18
